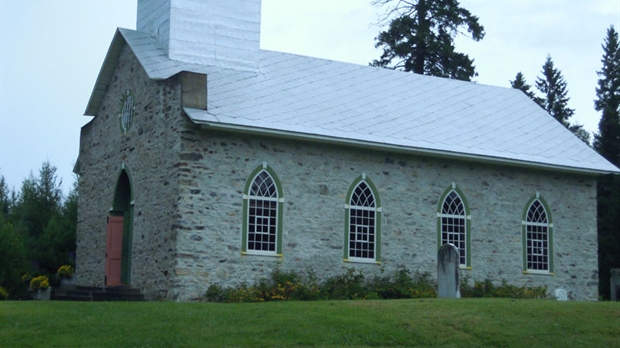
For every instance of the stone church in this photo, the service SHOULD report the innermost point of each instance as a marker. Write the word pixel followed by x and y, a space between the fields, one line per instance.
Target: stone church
pixel 209 160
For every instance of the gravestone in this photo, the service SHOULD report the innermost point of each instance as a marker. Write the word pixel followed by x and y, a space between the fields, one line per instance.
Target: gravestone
pixel 561 295
pixel 614 283
pixel 448 272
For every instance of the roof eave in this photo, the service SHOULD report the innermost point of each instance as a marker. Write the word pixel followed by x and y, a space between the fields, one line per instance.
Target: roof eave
pixel 399 149
pixel 105 74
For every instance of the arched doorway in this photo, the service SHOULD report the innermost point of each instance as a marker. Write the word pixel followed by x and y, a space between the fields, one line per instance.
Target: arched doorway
pixel 119 234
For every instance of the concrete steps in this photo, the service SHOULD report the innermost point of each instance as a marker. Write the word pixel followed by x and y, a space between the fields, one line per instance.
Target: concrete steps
pixel 84 293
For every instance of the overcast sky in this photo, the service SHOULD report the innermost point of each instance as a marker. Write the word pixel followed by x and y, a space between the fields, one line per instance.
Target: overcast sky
pixel 51 53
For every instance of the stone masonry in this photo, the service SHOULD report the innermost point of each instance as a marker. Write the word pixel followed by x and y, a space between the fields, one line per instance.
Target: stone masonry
pixel 148 151
pixel 315 179
pixel 188 182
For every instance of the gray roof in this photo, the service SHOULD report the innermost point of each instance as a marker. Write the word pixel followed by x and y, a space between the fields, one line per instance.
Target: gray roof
pixel 316 99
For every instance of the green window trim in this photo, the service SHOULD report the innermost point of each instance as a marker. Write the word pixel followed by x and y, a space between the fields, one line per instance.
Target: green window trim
pixel 377 209
pixel 124 169
pixel 467 215
pixel 549 225
pixel 279 200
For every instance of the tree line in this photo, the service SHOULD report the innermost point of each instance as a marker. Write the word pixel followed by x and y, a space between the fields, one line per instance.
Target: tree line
pixel 37 229
pixel 420 39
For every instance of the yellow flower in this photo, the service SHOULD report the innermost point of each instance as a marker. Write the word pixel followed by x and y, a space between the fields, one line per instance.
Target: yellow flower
pixel 40 282
pixel 65 271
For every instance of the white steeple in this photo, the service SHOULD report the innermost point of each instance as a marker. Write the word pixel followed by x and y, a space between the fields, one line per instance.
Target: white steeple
pixel 209 32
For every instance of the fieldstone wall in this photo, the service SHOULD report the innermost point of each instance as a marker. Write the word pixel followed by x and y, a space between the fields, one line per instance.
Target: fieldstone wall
pixel 148 151
pixel 188 183
pixel 315 179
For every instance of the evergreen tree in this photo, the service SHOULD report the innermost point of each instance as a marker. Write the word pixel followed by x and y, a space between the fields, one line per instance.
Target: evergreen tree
pixel 555 99
pixel 5 203
pixel 421 38
pixel 607 143
pixel 553 88
pixel 59 236
pixel 39 201
pixel 37 229
pixel 520 84
pixel 13 260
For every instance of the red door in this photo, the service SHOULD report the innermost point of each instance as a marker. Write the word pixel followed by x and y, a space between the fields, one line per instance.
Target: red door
pixel 114 248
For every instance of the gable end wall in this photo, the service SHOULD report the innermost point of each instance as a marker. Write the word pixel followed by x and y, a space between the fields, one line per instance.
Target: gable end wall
pixel 148 151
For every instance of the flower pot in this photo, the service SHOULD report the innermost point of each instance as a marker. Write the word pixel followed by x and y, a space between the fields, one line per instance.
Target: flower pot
pixel 43 294
pixel 68 281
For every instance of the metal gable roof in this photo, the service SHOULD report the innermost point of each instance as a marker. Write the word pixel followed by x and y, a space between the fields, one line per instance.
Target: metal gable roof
pixel 303 97
pixel 150 55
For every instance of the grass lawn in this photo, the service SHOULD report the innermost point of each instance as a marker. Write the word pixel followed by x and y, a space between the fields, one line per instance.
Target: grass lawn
pixel 396 323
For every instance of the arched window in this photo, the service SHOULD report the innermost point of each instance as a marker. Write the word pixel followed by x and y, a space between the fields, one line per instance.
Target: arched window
pixel 453 224
pixel 537 241
pixel 262 206
pixel 363 222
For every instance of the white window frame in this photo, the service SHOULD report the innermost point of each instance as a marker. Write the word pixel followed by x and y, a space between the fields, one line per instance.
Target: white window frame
pixel 528 228
pixel 274 203
pixel 376 210
pixel 464 218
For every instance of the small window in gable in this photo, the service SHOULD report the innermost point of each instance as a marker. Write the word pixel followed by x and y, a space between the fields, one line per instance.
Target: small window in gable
pixel 363 223
pixel 453 224
pixel 537 238
pixel 262 214
pixel 127 112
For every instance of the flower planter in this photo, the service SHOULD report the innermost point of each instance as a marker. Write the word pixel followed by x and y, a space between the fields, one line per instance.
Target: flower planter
pixel 43 294
pixel 68 281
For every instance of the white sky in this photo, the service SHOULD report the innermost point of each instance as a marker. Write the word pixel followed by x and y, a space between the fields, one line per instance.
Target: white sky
pixel 51 53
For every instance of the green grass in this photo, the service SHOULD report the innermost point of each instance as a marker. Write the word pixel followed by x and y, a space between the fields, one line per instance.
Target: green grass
pixel 396 323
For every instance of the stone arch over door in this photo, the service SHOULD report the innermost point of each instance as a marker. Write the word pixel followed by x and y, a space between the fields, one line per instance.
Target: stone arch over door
pixel 120 232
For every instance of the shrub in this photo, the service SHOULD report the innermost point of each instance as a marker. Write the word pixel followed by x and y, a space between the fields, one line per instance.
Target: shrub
pixel 65 271
pixel 352 285
pixel 487 289
pixel 26 278
pixel 349 286
pixel 402 284
pixel 40 282
pixel 282 286
pixel 4 295
pixel 423 286
pixel 215 293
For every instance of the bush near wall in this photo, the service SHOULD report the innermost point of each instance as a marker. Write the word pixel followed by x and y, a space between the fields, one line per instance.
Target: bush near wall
pixel 353 285
pixel 488 289
pixel 4 295
pixel 305 286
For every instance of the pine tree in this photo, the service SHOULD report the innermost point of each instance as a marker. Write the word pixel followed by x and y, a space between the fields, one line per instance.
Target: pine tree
pixel 555 99
pixel 553 87
pixel 421 38
pixel 607 143
pixel 5 203
pixel 59 236
pixel 12 253
pixel 520 84
pixel 40 200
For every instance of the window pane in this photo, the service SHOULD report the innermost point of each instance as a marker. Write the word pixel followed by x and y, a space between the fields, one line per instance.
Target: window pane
pixel 453 226
pixel 262 225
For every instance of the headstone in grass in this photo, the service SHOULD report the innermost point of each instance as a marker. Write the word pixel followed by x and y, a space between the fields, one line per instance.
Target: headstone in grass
pixel 448 272
pixel 614 282
pixel 561 295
